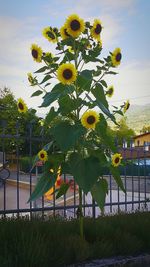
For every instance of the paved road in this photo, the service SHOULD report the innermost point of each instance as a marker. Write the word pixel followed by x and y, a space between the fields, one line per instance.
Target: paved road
pixel 136 184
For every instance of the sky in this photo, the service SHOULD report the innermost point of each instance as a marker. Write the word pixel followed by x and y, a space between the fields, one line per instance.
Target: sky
pixel 125 25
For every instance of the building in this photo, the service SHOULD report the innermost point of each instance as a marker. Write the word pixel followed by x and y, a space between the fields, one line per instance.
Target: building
pixel 140 149
pixel 142 139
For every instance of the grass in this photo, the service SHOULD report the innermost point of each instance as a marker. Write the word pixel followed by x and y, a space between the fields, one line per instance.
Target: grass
pixel 56 242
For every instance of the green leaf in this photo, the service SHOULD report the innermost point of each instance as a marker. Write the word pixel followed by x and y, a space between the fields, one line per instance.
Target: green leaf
pixel 67 104
pixel 115 173
pixel 85 171
pixel 46 78
pixel 51 115
pixel 56 159
pixel 100 155
pixel 46 84
pixel 99 94
pixel 38 92
pixel 99 191
pixel 62 190
pixel 42 69
pixel 119 112
pixel 45 182
pixel 111 72
pixel 103 83
pixel 84 80
pixel 89 58
pixel 66 135
pixel 59 90
pixel 101 103
pixel 101 128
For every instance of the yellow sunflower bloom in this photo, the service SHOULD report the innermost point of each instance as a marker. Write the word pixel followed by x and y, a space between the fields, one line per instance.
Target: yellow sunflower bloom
pixel 126 106
pixel 66 73
pixel 63 32
pixel 89 119
pixel 31 79
pixel 116 159
pixel 22 107
pixel 43 155
pixel 48 57
pixel 74 25
pixel 49 34
pixel 110 91
pixel 36 52
pixel 96 29
pixel 116 57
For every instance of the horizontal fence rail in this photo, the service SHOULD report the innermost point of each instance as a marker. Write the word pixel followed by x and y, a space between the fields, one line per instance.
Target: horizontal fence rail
pixel 16 158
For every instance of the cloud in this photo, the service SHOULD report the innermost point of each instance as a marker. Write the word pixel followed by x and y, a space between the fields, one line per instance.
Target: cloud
pixel 132 82
pixel 88 7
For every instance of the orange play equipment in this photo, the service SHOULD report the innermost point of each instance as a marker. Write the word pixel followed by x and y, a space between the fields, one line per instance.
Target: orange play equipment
pixel 49 194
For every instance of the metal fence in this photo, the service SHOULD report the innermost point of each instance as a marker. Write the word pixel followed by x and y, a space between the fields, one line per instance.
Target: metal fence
pixel 16 190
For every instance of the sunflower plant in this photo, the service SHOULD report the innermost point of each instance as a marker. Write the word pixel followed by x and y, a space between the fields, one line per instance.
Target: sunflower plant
pixel 78 109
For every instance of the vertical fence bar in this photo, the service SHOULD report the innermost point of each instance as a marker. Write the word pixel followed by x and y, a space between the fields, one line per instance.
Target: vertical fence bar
pixel 110 191
pixel 74 197
pixel 84 202
pixel 42 138
pixel 125 178
pixel 132 174
pixel 139 180
pixel 65 214
pixel 3 151
pixel 145 180
pixel 17 157
pixel 93 208
pixel 30 156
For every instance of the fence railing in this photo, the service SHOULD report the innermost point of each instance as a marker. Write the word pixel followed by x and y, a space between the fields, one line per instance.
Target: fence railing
pixel 16 190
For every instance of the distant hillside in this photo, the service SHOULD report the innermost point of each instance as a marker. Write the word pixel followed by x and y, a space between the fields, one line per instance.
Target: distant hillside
pixel 138 116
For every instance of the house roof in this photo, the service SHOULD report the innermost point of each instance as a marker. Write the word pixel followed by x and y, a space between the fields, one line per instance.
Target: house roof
pixel 140 135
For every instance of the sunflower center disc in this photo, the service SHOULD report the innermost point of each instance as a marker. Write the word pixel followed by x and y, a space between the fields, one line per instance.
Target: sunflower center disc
pixel 67 74
pixel 42 156
pixel 110 91
pixel 20 105
pixel 75 25
pixel 35 53
pixel 90 119
pixel 98 28
pixel 116 160
pixel 118 57
pixel 51 35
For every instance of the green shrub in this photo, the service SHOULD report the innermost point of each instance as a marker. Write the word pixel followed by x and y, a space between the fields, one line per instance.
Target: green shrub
pixel 57 242
pixel 26 164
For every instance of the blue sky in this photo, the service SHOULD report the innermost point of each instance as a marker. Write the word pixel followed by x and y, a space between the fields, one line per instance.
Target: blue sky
pixel 126 25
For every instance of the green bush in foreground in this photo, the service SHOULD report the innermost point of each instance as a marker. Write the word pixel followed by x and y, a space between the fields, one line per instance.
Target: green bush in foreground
pixel 58 242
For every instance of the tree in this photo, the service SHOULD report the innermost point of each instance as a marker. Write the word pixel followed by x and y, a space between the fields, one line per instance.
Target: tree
pixel 122 132
pixel 145 129
pixel 11 119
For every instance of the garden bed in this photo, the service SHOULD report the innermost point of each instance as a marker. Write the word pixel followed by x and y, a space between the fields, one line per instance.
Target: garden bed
pixel 57 242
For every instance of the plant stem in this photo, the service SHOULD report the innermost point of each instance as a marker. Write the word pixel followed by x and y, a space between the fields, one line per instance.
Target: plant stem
pixel 79 212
